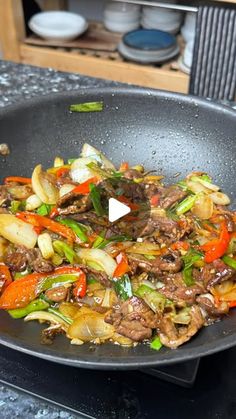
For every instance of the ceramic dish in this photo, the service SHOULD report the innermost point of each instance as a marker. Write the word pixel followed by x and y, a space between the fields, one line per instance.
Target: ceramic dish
pixel 146 57
pixel 60 25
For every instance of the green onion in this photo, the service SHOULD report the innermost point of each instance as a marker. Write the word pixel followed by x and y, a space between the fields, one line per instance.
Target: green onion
pixel 60 315
pixel 70 161
pixel 156 344
pixel 143 290
pixel 87 107
pixel 17 206
pixel 232 246
pixel 44 209
pixel 96 199
pixel 104 173
pixel 35 305
pixel 229 261
pixel 183 185
pixel 54 281
pixel 75 227
pixel 171 214
pixel 185 205
pixel 189 259
pixel 65 250
pixel 206 178
pixel 99 240
pixel 123 287
pixel 91 280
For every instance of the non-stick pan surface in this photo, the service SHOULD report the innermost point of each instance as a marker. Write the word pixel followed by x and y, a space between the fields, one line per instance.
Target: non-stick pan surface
pixel 169 132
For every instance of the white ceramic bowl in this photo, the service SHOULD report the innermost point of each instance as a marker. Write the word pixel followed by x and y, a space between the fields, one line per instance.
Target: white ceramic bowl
pixel 121 9
pixel 170 27
pixel 61 26
pixel 121 27
pixel 162 15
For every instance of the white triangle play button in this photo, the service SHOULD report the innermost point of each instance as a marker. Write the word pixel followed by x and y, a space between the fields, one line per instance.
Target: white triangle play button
pixel 117 210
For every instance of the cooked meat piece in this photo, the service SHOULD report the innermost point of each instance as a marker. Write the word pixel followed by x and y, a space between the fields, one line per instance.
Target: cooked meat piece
pixel 73 199
pixel 48 335
pixel 174 338
pixel 101 276
pixel 16 260
pixel 19 191
pixel 90 217
pixel 57 294
pixel 206 302
pixel 4 194
pixel 4 211
pixel 133 319
pixel 152 189
pixel 133 191
pixel 132 174
pixel 38 263
pixel 182 293
pixel 20 257
pixel 171 196
pixel 164 225
pixel 170 263
pixel 215 273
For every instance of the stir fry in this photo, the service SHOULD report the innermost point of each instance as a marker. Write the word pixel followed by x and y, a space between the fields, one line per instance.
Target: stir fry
pixel 154 276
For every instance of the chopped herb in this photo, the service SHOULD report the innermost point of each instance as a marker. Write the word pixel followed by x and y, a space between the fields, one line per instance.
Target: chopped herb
pixel 123 287
pixel 87 107
pixel 96 199
pixel 229 261
pixel 172 215
pixel 156 344
pixel 189 259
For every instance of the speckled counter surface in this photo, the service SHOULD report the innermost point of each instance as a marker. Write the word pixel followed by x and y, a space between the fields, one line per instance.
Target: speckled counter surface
pixel 18 83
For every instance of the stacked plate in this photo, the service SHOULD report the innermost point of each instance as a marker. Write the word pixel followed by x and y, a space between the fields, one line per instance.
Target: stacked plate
pixel 162 19
pixel 121 17
pixel 148 46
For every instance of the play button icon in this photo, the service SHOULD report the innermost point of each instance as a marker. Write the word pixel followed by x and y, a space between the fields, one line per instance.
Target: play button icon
pixel 116 210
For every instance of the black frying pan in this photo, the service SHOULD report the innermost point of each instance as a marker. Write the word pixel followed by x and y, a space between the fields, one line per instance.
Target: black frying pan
pixel 170 132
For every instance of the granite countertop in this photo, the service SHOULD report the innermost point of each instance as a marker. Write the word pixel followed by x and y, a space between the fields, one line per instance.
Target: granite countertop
pixel 18 83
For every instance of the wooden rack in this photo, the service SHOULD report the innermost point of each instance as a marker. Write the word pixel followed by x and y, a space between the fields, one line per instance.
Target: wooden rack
pixel 104 64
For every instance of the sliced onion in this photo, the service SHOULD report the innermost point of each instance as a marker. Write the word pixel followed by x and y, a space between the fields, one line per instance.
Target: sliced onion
pixel 197 187
pixel 100 258
pixel 17 231
pixel 144 249
pixel 65 189
pixel 208 185
pixel 69 309
pixel 44 316
pixel 32 202
pixel 88 327
pixel 203 207
pixel 3 247
pixel 58 162
pixel 45 245
pixel 20 191
pixel 122 340
pixel 220 198
pixel 80 172
pixel 43 187
pixel 90 151
pixel 107 298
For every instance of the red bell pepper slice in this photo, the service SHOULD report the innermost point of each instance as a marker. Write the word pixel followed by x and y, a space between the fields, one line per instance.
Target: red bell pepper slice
pixel 20 293
pixel 80 286
pixel 180 245
pixel 54 212
pixel 124 166
pixel 216 248
pixel 41 221
pixel 123 265
pixel 61 171
pixel 5 275
pixel 154 201
pixel 19 179
pixel 83 188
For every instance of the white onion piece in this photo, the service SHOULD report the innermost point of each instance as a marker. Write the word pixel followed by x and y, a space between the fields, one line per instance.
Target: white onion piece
pixel 3 247
pixel 65 189
pixel 99 257
pixel 17 231
pixel 42 187
pixel 32 202
pixel 208 185
pixel 107 300
pixel 122 340
pixel 58 162
pixel 90 326
pixel 80 172
pixel 90 151
pixel 45 245
pixel 197 187
pixel 203 207
pixel 44 316
pixel 220 198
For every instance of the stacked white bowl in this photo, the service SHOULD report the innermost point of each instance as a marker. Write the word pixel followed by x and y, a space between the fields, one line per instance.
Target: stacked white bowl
pixel 121 17
pixel 167 20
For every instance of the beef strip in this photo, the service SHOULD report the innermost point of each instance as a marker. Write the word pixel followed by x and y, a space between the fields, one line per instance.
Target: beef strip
pixel 182 293
pixel 132 174
pixel 19 258
pixel 57 294
pixel 72 203
pixel 170 262
pixel 215 273
pixel 206 302
pixel 90 218
pixel 4 194
pixel 133 319
pixel 133 191
pixel 101 276
pixel 163 224
pixel 172 337
pixel 171 196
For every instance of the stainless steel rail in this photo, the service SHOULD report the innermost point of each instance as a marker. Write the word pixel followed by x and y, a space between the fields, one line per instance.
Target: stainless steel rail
pixel 159 4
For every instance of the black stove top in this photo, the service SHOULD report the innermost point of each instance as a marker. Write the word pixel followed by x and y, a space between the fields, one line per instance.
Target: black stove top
pixel 130 394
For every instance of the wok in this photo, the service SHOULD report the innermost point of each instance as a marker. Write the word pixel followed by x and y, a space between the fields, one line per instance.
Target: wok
pixel 170 132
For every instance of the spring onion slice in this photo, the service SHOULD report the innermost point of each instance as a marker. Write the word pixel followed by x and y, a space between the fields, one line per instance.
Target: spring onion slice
pixel 156 344
pixel 96 199
pixel 87 107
